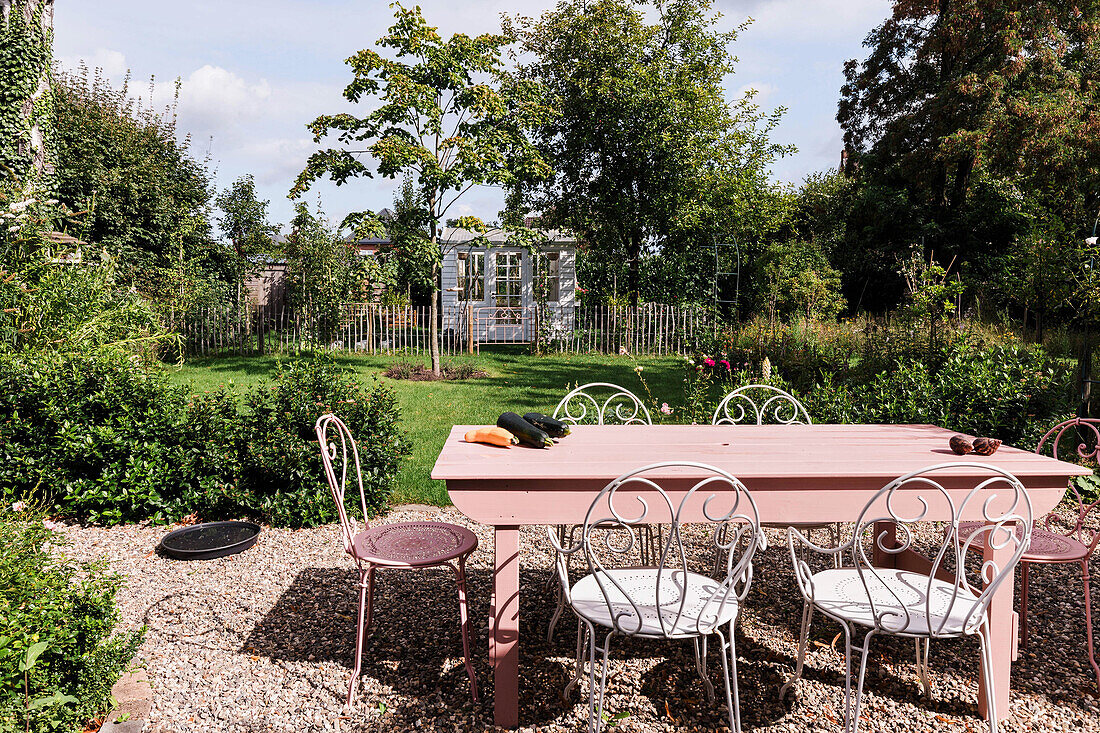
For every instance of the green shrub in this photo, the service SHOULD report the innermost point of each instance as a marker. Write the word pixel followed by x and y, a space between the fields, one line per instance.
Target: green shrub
pixel 281 475
pixel 58 656
pixel 1005 390
pixel 104 439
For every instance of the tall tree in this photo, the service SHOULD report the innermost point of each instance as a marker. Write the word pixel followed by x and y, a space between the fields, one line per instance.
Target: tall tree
pixel 26 105
pixel 446 113
pixel 645 145
pixel 953 89
pixel 147 200
pixel 244 223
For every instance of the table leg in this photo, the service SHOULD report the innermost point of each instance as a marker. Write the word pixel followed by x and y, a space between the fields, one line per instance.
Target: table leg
pixel 1002 633
pixel 504 627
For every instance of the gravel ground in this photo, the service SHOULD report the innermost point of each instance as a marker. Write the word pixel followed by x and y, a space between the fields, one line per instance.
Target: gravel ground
pixel 263 641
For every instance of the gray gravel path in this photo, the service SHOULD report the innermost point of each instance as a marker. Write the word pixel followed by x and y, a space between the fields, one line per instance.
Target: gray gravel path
pixel 263 641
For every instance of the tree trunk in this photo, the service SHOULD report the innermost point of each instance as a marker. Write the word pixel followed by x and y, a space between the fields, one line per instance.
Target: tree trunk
pixel 34 145
pixel 633 264
pixel 433 327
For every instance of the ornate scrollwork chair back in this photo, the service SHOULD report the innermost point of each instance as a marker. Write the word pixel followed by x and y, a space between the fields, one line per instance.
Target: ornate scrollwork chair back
pixel 941 603
pixel 611 534
pixel 602 403
pixel 394 545
pixel 668 600
pixel 339 452
pixel 760 404
pixel 1086 430
pixel 1005 509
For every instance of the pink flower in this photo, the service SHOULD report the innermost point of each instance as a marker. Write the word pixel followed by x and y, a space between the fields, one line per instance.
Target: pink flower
pixel 52 526
pixel 708 361
pixel 665 409
pixel 727 365
pixel 19 506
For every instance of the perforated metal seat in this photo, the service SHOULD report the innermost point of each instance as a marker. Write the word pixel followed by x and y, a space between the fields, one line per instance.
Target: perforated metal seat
pixel 900 601
pixel 412 544
pixel 654 594
pixel 1045 546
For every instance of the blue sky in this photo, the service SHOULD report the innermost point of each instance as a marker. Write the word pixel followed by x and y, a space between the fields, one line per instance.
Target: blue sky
pixel 254 72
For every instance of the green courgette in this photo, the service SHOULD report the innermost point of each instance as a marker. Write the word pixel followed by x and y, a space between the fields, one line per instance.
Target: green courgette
pixel 550 426
pixel 525 431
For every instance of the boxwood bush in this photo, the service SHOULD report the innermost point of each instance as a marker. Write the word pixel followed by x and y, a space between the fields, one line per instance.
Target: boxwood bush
pixel 100 438
pixel 59 656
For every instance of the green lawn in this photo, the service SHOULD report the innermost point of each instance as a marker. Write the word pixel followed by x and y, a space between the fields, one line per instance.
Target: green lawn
pixel 519 382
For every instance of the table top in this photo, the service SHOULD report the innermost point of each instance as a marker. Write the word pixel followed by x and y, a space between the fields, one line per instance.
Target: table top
pixel 762 456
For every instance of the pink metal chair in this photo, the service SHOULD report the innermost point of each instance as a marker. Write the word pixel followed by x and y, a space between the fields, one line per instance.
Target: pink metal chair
pixel 411 545
pixel 1058 541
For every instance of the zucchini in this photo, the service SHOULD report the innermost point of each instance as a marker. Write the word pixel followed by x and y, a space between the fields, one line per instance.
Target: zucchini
pixel 550 426
pixel 525 431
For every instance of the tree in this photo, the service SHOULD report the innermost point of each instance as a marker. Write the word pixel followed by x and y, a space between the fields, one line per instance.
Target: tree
pixel 244 218
pixel 324 272
pixel 26 104
pixel 954 89
pixel 648 156
pixel 146 200
pixel 244 222
pixel 447 114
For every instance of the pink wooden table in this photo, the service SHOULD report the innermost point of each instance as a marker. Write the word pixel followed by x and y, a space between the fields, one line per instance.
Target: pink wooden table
pixel 796 473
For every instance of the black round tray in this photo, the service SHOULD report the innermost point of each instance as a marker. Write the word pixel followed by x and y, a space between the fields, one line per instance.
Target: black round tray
pixel 210 540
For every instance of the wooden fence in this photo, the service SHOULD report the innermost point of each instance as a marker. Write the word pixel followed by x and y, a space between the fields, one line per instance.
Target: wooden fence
pixel 375 329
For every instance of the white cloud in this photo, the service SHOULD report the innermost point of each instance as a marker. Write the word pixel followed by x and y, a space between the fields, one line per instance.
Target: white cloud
pixel 113 63
pixel 763 91
pixel 276 161
pixel 213 98
pixel 801 21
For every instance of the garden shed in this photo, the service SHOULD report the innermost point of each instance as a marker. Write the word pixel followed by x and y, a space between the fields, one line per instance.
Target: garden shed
pixel 496 290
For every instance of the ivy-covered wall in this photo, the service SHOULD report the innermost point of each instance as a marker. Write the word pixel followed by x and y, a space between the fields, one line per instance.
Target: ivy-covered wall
pixel 27 154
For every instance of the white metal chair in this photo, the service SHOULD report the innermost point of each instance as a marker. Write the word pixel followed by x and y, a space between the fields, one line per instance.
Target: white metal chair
pixel 621 407
pixel 760 404
pixel 667 601
pixel 903 603
pixel 599 403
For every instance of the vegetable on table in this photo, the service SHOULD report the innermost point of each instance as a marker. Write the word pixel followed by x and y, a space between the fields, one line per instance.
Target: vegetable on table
pixel 491 436
pixel 525 431
pixel 550 426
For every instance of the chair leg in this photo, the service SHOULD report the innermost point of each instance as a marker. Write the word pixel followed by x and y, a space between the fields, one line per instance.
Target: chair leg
pixel 1023 602
pixel 1088 621
pixel 729 678
pixel 701 665
pixel 363 601
pixel 603 677
pixel 464 622
pixel 593 720
pixel 559 608
pixel 865 653
pixel 581 638
pixel 807 613
pixel 987 676
pixel 922 664
pixel 370 596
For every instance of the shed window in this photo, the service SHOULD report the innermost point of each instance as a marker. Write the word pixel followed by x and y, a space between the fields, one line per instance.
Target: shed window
pixel 547 278
pixel 509 285
pixel 471 275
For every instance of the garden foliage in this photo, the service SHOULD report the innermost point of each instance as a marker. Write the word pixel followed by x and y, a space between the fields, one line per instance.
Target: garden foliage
pixel 965 382
pixel 99 438
pixel 58 656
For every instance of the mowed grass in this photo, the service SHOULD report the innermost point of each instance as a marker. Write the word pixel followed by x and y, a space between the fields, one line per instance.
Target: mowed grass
pixel 518 381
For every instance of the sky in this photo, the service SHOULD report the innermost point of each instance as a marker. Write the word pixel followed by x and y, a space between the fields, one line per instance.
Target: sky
pixel 255 72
